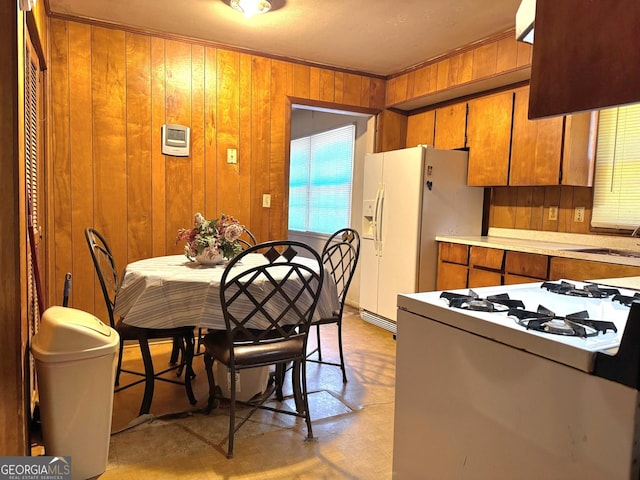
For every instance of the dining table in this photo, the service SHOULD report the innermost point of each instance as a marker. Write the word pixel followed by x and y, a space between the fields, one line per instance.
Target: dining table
pixel 174 291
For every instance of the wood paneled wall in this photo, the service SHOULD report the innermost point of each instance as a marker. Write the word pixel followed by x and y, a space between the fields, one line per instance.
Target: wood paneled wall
pixel 527 208
pixel 112 90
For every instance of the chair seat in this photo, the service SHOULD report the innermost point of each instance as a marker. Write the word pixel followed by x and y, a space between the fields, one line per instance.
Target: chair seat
pixel 217 344
pixel 130 332
pixel 327 320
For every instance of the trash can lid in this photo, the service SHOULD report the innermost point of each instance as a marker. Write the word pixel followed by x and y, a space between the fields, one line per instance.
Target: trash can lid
pixel 67 334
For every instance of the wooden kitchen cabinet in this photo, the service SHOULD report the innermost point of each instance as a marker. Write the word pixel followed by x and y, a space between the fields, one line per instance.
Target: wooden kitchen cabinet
pixel 451 276
pixel 489 123
pixel 485 266
pixel 536 145
pixel 521 267
pixel 585 56
pixel 578 269
pixel 451 126
pixel 453 261
pixel 551 151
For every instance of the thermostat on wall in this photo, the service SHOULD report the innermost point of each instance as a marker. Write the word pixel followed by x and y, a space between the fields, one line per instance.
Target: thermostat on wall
pixel 175 140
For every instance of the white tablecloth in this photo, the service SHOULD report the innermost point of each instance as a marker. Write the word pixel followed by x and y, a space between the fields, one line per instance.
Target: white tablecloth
pixel 171 291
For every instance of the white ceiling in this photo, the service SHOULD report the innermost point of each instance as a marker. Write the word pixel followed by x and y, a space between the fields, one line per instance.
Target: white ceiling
pixel 374 36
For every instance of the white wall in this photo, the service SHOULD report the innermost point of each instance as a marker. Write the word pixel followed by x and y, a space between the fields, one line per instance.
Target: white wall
pixel 306 122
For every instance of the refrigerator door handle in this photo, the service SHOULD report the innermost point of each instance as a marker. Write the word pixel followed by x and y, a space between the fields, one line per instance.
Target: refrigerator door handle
pixel 379 219
pixel 375 221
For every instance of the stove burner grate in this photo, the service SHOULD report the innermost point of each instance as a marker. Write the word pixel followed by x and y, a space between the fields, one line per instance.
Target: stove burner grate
pixel 589 290
pixel 472 301
pixel 626 300
pixel 576 324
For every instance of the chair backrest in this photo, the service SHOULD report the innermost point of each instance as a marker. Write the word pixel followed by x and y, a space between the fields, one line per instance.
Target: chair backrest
pixel 340 256
pixel 271 297
pixel 247 239
pixel 105 267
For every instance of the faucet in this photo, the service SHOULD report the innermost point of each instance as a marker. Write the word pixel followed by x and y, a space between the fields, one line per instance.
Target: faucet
pixel 635 232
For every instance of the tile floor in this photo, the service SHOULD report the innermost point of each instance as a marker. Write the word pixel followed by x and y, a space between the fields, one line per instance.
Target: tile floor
pixel 352 423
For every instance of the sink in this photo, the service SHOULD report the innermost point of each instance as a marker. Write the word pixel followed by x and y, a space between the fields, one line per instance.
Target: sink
pixel 610 251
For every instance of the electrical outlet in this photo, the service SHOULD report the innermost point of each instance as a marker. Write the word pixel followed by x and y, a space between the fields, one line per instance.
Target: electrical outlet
pixel 578 215
pixel 266 200
pixel 232 156
pixel 553 213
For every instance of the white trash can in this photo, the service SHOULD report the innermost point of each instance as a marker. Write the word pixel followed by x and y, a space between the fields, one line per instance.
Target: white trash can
pixel 76 356
pixel 249 381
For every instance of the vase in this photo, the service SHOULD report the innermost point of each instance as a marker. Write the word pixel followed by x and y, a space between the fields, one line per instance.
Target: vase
pixel 210 258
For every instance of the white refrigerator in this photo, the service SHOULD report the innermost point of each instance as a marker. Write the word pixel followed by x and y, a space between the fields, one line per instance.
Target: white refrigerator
pixel 410 196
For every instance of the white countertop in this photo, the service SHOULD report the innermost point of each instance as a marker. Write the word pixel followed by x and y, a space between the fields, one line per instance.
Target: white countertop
pixel 553 244
pixel 632 283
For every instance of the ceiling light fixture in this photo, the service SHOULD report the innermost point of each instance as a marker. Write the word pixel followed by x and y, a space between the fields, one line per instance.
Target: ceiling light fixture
pixel 250 7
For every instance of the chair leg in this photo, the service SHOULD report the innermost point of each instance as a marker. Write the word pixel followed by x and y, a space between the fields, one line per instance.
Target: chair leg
pixel 188 365
pixel 297 391
pixel 344 371
pixel 232 413
pixel 175 352
pixel 281 370
pixel 302 376
pixel 319 349
pixel 212 402
pixel 149 376
pixel 199 341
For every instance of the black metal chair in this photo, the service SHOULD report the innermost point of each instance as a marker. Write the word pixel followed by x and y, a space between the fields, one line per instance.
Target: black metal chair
pixel 268 309
pixel 107 273
pixel 340 257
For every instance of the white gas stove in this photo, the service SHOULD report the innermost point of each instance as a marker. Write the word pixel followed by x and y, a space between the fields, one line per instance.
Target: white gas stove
pixel 503 325
pixel 504 394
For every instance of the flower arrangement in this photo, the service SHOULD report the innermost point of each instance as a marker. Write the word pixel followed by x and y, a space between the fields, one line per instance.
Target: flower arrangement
pixel 209 238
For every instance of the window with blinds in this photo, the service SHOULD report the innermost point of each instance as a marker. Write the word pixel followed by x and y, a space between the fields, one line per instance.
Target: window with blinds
pixel 321 171
pixel 32 126
pixel 616 193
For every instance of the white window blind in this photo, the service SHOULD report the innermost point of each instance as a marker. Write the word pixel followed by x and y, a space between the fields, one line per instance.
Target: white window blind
pixel 321 171
pixel 616 194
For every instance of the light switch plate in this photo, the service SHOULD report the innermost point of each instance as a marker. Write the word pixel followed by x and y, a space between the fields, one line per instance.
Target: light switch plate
pixel 578 215
pixel 266 200
pixel 232 156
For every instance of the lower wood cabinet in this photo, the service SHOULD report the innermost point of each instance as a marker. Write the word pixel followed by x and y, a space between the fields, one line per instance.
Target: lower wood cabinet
pixel 451 276
pixel 485 266
pixel 576 269
pixel 453 261
pixel 484 278
pixel 521 265
pixel 463 266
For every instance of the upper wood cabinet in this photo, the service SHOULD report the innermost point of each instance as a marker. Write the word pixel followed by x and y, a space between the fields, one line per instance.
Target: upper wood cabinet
pixel 508 149
pixel 536 148
pixel 551 151
pixel 420 129
pixel 585 56
pixel 451 126
pixel 489 139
